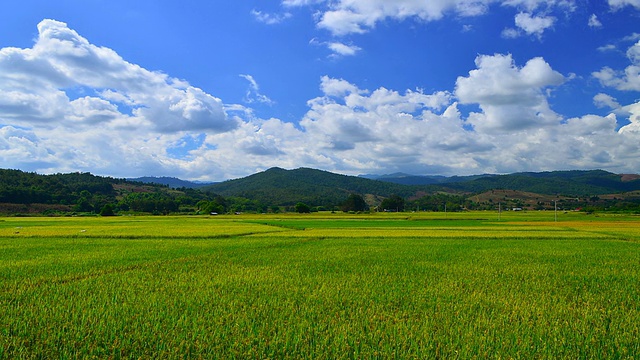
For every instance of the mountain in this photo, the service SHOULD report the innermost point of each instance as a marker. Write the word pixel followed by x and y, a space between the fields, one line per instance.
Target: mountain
pixel 314 187
pixel 407 179
pixel 171 182
pixel 570 183
pixel 278 186
pixel 85 193
pixel 573 183
pixel 30 193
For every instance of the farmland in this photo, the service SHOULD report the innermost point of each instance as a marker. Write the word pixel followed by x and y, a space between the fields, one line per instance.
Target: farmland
pixel 407 285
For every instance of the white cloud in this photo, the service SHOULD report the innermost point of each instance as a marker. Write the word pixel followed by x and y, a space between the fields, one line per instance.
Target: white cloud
pixel 633 112
pixel 337 87
pixel 634 53
pixel 35 83
pixel 633 37
pixel 594 22
pixel 618 4
pixel 342 49
pixel 534 25
pixel 629 79
pixel 603 100
pixel 342 17
pixel 68 105
pixel 606 48
pixel 122 109
pixel 510 33
pixel 253 92
pixel 382 129
pixel 270 19
pixel 300 2
pixel 511 98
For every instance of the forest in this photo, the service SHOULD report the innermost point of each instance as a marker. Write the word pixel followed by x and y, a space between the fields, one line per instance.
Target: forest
pixel 309 190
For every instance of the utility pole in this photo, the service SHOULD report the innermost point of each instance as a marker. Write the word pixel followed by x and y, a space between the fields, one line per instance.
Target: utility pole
pixel 555 210
pixel 499 210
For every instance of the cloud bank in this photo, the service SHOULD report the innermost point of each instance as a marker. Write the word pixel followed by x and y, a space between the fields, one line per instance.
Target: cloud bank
pixel 69 105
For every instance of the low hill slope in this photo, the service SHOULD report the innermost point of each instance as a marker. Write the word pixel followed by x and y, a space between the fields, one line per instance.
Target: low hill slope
pixel 314 187
pixel 570 183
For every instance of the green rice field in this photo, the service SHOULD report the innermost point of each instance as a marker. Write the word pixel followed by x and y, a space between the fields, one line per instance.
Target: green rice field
pixel 322 286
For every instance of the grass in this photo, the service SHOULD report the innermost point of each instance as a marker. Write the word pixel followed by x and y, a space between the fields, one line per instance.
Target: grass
pixel 321 286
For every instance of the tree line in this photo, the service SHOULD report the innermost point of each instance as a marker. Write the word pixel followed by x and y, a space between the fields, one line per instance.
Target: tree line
pixel 89 194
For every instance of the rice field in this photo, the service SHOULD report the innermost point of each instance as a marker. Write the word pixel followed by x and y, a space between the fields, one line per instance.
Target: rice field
pixel 321 286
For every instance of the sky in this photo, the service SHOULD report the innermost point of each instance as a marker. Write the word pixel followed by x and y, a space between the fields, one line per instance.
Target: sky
pixel 215 90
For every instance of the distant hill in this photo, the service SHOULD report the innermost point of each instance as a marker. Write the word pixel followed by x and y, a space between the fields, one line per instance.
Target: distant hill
pixel 286 187
pixel 407 179
pixel 170 182
pixel 84 192
pixel 30 193
pixel 570 183
pixel 313 187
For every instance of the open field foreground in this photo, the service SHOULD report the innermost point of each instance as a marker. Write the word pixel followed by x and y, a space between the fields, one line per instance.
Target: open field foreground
pixel 322 286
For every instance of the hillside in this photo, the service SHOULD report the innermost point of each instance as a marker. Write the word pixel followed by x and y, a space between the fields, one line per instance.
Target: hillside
pixel 30 193
pixel 314 187
pixel 569 183
pixel 169 181
pixel 407 179
pixel 276 188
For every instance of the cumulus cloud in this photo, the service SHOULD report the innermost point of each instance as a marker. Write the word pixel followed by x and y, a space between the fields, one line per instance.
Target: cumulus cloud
pixel 39 88
pixel 385 129
pixel 341 49
pixel 629 79
pixel 594 22
pixel 69 105
pixel 510 33
pixel 338 87
pixel 345 17
pixel 534 25
pixel 511 98
pixel 618 4
pixel 603 100
pixel 36 82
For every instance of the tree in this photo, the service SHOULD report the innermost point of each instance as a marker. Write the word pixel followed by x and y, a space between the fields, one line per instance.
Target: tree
pixel 302 208
pixel 354 202
pixel 393 203
pixel 83 205
pixel 107 210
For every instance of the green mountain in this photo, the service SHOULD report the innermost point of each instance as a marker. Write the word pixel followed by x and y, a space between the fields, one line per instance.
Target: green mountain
pixel 87 193
pixel 570 183
pixel 171 182
pixel 277 186
pixel 30 193
pixel 321 188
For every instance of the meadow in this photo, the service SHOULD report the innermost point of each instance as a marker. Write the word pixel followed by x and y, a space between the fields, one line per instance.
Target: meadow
pixel 322 286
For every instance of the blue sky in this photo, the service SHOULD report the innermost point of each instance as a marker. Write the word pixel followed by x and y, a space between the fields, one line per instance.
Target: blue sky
pixel 212 90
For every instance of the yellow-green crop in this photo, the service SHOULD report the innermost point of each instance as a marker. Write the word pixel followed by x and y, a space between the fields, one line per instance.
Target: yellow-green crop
pixel 323 286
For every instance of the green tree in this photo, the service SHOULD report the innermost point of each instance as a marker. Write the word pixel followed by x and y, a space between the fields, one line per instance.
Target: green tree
pixel 354 202
pixel 107 210
pixel 83 205
pixel 393 203
pixel 302 208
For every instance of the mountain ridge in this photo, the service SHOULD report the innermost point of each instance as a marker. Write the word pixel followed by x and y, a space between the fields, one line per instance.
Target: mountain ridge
pixel 317 186
pixel 278 187
pixel 172 182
